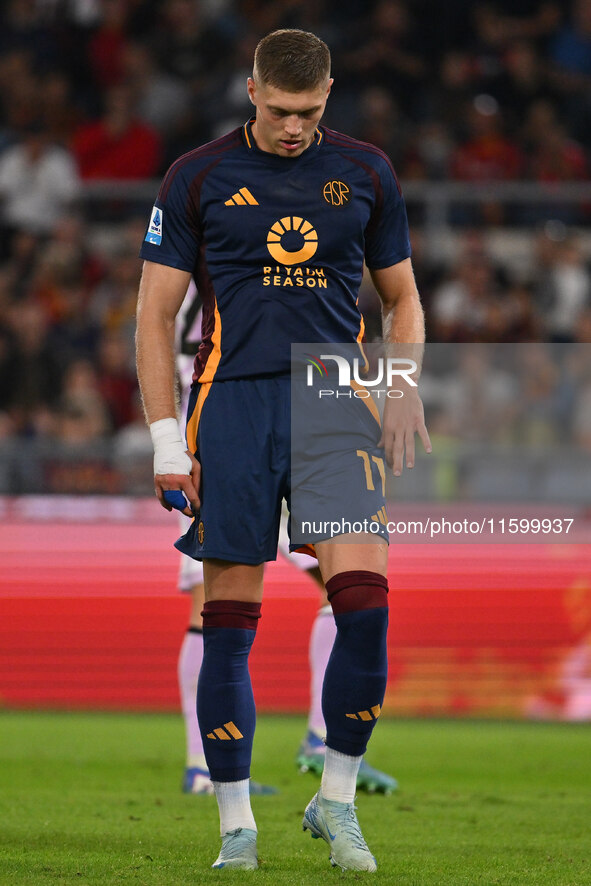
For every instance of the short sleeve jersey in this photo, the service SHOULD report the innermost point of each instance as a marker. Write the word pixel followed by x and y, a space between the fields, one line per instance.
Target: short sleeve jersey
pixel 276 245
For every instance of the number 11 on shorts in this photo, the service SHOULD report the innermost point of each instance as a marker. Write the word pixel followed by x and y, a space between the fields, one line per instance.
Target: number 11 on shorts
pixel 363 455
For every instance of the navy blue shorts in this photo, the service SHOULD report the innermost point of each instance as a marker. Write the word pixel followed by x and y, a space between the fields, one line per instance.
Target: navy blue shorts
pixel 241 433
pixel 338 470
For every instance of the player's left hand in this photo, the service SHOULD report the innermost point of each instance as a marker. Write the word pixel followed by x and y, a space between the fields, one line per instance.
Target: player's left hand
pixel 403 418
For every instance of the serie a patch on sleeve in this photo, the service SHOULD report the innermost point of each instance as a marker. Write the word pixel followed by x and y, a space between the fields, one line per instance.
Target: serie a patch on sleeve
pixel 154 232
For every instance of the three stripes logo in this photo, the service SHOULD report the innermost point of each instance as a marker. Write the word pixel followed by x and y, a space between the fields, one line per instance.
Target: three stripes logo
pixel 381 516
pixel 371 714
pixel 229 731
pixel 243 197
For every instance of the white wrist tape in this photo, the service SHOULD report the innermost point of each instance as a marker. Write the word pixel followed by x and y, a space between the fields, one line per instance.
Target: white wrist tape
pixel 170 455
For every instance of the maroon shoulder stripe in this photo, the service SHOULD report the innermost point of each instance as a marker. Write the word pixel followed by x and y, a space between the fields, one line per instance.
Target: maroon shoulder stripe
pixel 219 146
pixel 345 141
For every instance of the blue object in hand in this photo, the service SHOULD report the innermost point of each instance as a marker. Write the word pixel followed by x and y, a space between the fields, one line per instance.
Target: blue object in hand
pixel 176 498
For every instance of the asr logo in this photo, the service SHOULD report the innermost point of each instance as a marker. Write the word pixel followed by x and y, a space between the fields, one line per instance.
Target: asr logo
pixel 336 193
pixel 200 532
pixel 292 240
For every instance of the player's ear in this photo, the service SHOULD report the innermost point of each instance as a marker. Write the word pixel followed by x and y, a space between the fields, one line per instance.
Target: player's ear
pixel 251 89
pixel 328 88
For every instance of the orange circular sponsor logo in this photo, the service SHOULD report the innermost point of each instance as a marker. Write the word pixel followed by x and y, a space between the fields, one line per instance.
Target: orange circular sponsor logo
pixel 278 238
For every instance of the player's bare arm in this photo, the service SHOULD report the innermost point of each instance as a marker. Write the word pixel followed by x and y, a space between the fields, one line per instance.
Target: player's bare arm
pixel 403 324
pixel 161 293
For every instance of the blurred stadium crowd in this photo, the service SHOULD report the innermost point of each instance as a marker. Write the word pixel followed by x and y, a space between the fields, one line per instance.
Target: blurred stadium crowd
pixel 114 90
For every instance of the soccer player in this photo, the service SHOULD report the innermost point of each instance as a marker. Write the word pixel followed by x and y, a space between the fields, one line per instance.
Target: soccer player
pixel 310 756
pixel 279 199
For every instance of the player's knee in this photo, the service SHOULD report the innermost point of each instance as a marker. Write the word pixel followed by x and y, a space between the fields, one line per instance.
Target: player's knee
pixel 357 590
pixel 235 614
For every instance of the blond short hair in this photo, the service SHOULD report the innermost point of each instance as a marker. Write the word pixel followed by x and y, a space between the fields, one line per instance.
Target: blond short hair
pixel 292 60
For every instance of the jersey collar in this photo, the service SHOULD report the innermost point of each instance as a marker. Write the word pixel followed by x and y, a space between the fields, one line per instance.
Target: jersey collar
pixel 251 145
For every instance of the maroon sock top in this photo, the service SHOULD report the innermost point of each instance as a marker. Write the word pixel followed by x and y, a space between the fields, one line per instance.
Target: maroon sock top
pixel 357 589
pixel 231 614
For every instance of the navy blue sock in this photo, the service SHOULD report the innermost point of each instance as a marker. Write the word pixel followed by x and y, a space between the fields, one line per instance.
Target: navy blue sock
pixel 225 703
pixel 357 671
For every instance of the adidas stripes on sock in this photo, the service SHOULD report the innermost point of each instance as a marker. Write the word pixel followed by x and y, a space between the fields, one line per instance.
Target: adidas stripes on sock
pixel 225 703
pixel 356 674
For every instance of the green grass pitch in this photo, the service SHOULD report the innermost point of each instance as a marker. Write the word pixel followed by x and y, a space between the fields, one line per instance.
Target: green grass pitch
pixel 95 799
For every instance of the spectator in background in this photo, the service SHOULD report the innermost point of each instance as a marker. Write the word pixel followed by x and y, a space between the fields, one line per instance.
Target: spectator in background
pixel 60 113
pixel 118 145
pixel 390 55
pixel 541 115
pixel 539 410
pixel 462 307
pixel 565 286
pixel 500 22
pixel 518 319
pixel 38 185
pixel 558 158
pixel 269 15
pixel 187 46
pixel 582 407
pixel 20 264
pixel 75 459
pixel 58 287
pixel 160 99
pixel 428 151
pixel 107 45
pixel 72 238
pixel 551 156
pixel 114 299
pixel 452 89
pixel 60 279
pixel 19 105
pixel 75 333
pixel 132 451
pixel 23 27
pixel 479 396
pixel 382 124
pixel 7 344
pixel 521 82
pixel 570 55
pixel 583 331
pixel 116 380
pixel 37 373
pixel 571 48
pixel 486 154
pixel 81 407
pixel 231 106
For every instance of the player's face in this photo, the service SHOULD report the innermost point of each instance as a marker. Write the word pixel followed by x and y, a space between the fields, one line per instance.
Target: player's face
pixel 286 121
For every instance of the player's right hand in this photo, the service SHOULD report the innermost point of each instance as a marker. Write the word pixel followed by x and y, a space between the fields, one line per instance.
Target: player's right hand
pixel 175 468
pixel 188 484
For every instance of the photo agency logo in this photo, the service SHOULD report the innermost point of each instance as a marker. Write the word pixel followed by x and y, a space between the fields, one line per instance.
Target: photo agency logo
pixel 352 376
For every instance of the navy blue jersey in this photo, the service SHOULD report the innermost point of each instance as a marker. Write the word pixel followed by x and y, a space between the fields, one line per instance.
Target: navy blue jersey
pixel 276 245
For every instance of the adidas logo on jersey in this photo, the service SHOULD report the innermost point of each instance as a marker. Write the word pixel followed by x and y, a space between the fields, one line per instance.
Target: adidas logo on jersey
pixel 243 197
